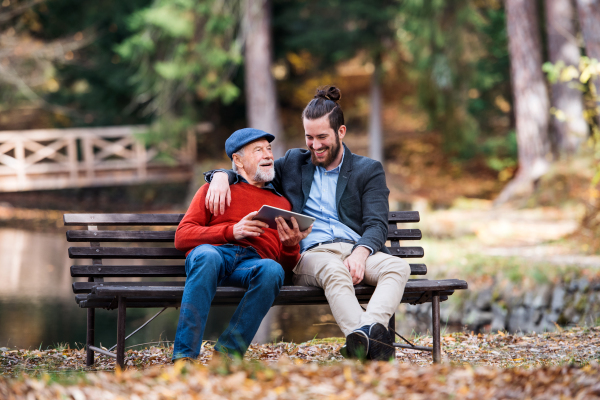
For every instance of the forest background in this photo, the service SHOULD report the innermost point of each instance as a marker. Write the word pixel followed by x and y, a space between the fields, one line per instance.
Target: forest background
pixel 457 99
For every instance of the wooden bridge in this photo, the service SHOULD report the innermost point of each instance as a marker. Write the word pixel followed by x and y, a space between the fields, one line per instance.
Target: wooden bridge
pixel 78 157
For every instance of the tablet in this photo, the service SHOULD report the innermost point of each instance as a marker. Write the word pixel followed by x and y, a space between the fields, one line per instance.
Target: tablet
pixel 268 214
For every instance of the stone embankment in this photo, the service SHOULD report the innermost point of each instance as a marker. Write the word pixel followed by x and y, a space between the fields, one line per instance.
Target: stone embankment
pixel 496 308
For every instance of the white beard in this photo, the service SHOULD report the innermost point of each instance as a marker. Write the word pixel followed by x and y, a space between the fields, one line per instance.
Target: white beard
pixel 264 174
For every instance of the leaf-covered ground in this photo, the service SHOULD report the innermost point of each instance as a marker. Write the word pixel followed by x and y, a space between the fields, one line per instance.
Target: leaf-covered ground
pixel 286 379
pixel 538 366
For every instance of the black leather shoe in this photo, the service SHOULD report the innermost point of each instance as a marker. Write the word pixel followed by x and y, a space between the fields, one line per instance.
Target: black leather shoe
pixel 357 345
pixel 381 344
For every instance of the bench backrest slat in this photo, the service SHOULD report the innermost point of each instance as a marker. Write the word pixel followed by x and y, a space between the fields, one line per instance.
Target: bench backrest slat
pixel 174 219
pixel 120 236
pixel 122 219
pixel 169 236
pixel 97 252
pixel 174 254
pixel 403 216
pixel 166 271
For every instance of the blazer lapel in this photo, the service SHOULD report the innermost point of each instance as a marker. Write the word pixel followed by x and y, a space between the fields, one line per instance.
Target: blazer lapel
pixel 308 172
pixel 344 176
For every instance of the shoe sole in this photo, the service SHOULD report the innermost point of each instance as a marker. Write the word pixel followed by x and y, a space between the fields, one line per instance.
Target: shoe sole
pixel 381 346
pixel 357 345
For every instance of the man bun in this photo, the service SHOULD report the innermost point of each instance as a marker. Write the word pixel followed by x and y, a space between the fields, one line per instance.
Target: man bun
pixel 329 93
pixel 325 102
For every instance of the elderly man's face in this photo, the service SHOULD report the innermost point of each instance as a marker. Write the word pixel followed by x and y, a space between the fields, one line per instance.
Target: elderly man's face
pixel 257 161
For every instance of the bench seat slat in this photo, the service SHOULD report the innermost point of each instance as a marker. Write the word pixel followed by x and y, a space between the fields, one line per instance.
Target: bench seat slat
pixel 174 254
pixel 109 303
pixel 167 271
pixel 169 236
pixel 122 219
pixel 175 289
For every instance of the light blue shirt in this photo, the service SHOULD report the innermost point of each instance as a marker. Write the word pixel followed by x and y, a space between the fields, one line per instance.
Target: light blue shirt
pixel 321 206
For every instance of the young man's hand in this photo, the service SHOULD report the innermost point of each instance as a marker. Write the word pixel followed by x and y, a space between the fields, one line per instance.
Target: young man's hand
pixel 218 194
pixel 291 236
pixel 356 263
pixel 247 227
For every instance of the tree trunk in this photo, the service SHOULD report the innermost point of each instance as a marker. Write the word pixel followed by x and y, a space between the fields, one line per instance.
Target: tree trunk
pixel 375 126
pixel 571 131
pixel 531 105
pixel 262 108
pixel 589 20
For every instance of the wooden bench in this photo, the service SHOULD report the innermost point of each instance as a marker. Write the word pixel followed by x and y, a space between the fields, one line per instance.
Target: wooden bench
pixel 100 293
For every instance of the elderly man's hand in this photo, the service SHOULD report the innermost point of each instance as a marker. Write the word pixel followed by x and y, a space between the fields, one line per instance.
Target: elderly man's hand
pixel 247 227
pixel 356 263
pixel 218 194
pixel 291 236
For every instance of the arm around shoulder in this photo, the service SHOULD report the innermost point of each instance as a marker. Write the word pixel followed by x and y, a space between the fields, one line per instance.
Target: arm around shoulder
pixel 232 176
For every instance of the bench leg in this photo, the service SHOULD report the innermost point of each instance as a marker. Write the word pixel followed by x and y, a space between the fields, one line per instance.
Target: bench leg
pixel 121 332
pixel 89 337
pixel 435 321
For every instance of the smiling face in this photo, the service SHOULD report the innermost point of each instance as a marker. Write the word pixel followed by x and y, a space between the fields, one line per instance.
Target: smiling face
pixel 256 162
pixel 324 144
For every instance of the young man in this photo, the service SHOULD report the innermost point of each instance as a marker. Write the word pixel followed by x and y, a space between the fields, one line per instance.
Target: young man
pixel 348 196
pixel 232 249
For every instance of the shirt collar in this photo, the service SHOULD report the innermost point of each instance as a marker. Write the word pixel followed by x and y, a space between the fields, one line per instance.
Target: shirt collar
pixel 268 185
pixel 339 167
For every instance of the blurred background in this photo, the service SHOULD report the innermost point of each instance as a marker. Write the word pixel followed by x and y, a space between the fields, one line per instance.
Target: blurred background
pixel 484 114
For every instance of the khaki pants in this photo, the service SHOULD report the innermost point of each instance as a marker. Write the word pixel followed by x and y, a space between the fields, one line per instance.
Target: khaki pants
pixel 324 267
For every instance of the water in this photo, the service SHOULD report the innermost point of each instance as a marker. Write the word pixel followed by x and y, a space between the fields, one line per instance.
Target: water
pixel 38 309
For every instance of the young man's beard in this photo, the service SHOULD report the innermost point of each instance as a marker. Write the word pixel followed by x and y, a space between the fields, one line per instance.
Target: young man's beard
pixel 332 154
pixel 264 174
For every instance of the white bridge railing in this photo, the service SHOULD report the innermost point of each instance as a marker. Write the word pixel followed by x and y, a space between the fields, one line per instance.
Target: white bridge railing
pixel 77 157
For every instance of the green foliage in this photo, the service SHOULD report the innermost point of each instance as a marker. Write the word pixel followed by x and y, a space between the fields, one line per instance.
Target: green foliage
pixel 501 152
pixel 460 61
pixel 185 52
pixel 333 30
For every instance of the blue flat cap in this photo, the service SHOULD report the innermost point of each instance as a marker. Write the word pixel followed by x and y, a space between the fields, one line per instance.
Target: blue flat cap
pixel 242 137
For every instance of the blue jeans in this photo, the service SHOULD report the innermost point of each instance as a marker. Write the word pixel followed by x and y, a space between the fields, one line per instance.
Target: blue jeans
pixel 210 266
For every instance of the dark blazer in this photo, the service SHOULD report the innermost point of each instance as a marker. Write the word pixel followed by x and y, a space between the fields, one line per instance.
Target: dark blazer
pixel 361 193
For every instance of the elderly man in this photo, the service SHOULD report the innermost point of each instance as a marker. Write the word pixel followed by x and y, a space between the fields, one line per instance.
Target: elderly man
pixel 232 249
pixel 348 197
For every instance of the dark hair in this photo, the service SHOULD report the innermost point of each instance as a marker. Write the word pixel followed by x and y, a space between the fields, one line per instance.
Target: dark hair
pixel 326 102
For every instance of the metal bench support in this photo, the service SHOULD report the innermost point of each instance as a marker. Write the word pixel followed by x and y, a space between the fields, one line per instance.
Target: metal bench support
pixel 91 323
pixel 435 321
pixel 121 332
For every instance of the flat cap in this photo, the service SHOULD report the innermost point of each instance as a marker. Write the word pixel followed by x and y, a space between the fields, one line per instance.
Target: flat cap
pixel 242 137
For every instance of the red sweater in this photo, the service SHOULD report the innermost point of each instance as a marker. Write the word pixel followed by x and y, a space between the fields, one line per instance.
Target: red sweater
pixel 199 226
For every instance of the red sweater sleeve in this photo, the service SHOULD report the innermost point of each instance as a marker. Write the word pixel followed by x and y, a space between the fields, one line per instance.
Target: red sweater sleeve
pixel 193 230
pixel 289 256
